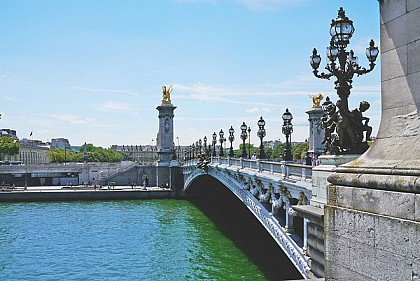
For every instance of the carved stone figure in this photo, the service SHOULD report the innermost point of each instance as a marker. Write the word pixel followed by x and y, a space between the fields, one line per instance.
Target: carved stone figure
pixel 166 94
pixel 276 203
pixel 203 163
pixel 265 197
pixel 302 200
pixel 254 190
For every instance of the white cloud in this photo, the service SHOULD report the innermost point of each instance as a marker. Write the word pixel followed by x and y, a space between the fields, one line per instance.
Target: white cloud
pixel 266 5
pixel 252 110
pixel 73 119
pixel 258 109
pixel 107 91
pixel 112 106
pixel 9 98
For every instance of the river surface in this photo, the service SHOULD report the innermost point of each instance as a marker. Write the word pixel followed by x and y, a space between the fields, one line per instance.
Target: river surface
pixel 124 240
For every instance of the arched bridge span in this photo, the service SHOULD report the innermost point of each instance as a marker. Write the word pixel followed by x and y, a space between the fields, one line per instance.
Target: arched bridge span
pixel 266 195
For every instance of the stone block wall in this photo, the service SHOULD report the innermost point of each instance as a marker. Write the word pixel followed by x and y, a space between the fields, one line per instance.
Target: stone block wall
pixel 372 234
pixel 316 248
pixel 135 175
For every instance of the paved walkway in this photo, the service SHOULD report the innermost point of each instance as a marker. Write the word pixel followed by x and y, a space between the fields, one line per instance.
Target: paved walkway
pixel 79 188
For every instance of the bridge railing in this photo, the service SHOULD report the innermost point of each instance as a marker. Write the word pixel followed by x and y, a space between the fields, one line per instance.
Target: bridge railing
pixel 285 168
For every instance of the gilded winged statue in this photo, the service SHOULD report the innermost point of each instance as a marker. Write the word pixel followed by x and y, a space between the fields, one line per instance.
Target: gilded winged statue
pixel 166 94
pixel 316 100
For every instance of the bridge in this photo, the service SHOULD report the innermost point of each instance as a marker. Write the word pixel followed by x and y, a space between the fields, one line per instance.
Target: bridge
pixel 268 190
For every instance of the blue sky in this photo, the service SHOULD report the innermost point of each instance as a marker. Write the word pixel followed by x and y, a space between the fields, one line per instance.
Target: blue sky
pixel 93 70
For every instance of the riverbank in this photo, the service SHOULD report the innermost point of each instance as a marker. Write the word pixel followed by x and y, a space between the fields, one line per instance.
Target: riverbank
pixel 57 193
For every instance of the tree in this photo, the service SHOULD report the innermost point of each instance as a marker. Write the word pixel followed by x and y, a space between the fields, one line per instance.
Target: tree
pixel 8 146
pixel 94 154
pixel 278 151
pixel 299 151
pixel 99 154
pixel 248 147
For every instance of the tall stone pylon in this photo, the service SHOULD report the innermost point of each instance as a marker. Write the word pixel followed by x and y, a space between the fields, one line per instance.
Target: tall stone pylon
pixel 165 137
pixel 316 133
pixel 372 217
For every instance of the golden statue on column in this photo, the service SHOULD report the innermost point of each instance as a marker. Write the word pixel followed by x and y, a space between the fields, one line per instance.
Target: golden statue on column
pixel 166 94
pixel 316 100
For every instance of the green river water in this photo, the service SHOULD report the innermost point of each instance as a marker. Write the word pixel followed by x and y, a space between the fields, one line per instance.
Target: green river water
pixel 135 240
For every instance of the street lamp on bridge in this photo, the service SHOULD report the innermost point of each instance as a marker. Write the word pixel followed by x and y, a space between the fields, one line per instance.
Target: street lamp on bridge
pixel 249 142
pixel 221 140
pixel 244 136
pixel 199 146
pixel 193 151
pixel 261 134
pixel 231 139
pixel 344 65
pixel 205 145
pixel 287 130
pixel 214 143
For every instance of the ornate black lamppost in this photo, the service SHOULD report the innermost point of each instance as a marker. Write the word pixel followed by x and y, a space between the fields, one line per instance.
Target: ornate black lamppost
pixel 214 143
pixel 249 142
pixel 344 65
pixel 193 151
pixel 205 145
pixel 199 146
pixel 231 139
pixel 287 130
pixel 221 140
pixel 261 134
pixel 244 136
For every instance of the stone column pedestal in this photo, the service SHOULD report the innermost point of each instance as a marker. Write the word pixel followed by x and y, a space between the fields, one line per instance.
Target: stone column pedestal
pixel 316 133
pixel 164 143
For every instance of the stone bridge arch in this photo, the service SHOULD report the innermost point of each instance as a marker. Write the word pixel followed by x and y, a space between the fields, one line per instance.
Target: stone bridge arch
pixel 237 184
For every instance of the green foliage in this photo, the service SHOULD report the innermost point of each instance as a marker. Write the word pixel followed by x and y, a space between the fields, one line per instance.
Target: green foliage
pixel 268 152
pixel 8 146
pixel 59 156
pixel 278 151
pixel 94 154
pixel 248 147
pixel 299 150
